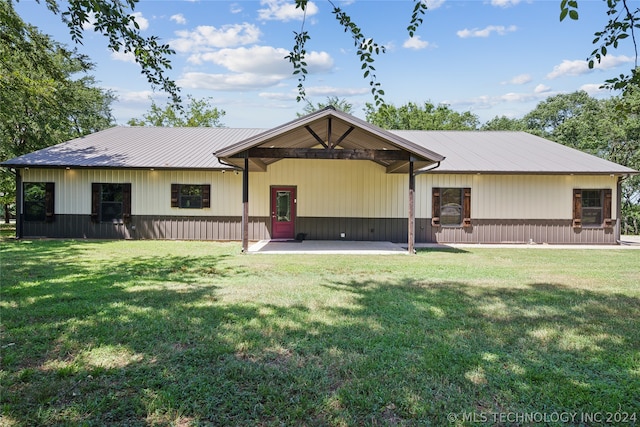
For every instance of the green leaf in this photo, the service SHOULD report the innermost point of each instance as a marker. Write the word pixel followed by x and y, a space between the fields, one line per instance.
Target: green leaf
pixel 573 15
pixel 563 14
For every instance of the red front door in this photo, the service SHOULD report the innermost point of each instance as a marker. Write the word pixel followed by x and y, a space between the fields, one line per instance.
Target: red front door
pixel 283 212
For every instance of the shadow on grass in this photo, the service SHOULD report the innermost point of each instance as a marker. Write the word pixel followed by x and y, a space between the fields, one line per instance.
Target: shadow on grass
pixel 152 341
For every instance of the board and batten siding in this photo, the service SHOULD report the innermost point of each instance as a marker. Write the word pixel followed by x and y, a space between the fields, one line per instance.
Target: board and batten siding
pixel 333 196
pixel 537 197
pixel 150 189
pixel 333 189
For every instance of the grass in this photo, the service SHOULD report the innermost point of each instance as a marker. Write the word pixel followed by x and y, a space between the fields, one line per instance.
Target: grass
pixel 7 230
pixel 193 333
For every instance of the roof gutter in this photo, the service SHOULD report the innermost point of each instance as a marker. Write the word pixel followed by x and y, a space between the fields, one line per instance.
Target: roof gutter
pixel 234 167
pixel 421 171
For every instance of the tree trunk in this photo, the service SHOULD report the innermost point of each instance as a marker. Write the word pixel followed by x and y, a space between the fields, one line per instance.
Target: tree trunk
pixel 7 214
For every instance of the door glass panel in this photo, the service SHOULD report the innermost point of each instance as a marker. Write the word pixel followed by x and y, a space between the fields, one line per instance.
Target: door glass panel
pixel 283 206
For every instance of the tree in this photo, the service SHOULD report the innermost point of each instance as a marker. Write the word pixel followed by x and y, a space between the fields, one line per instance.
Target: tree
pixel 412 116
pixel 43 102
pixel 547 117
pixel 198 113
pixel 503 123
pixel 333 101
pixel 115 21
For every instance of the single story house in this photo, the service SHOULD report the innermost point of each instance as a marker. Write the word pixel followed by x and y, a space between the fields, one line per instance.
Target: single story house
pixel 327 175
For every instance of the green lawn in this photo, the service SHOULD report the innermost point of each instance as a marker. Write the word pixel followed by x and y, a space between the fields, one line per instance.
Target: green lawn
pixel 7 230
pixel 193 333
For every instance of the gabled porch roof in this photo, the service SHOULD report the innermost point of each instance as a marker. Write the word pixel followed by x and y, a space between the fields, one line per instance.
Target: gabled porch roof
pixel 329 134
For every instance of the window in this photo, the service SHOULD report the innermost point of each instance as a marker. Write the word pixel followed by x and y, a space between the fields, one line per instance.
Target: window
pixel 451 207
pixel 592 208
pixel 110 202
pixel 188 196
pixel 38 201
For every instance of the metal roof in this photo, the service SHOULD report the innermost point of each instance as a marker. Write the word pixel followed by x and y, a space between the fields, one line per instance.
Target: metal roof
pixel 508 152
pixel 139 147
pixel 193 148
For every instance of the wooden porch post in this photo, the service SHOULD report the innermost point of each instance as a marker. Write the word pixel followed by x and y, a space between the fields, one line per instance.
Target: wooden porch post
pixel 412 210
pixel 19 206
pixel 245 204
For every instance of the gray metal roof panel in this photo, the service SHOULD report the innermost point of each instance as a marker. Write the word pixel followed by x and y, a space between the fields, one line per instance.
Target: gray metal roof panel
pixel 139 147
pixel 186 148
pixel 508 152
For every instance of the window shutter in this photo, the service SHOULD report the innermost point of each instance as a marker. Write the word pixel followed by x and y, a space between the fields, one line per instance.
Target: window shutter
pixel 126 202
pixel 175 193
pixel 577 208
pixel 206 195
pixel 606 209
pixel 95 202
pixel 49 202
pixel 466 207
pixel 435 207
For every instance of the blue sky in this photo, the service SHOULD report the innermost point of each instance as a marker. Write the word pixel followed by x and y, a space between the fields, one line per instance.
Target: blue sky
pixel 493 58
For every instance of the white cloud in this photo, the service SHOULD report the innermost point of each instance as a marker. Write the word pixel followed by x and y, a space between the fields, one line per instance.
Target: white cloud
pixel 235 8
pixel 124 57
pixel 206 37
pixel 519 80
pixel 580 66
pixel 416 43
pixel 569 68
pixel 433 4
pixel 516 97
pixel 335 91
pixel 541 89
pixel 91 21
pixel 143 22
pixel 284 10
pixel 594 89
pixel 321 91
pixel 262 59
pixel 484 102
pixel 229 82
pixel 179 19
pixel 279 96
pixel 486 32
pixel 138 97
pixel 504 3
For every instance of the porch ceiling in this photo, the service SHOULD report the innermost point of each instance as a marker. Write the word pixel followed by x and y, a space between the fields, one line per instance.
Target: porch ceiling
pixel 329 134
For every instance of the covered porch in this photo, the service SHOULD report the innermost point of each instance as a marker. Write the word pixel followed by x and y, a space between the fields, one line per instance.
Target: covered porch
pixel 324 135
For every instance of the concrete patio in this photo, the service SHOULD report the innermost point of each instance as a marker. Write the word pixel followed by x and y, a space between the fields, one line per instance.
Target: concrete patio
pixel 327 247
pixel 388 248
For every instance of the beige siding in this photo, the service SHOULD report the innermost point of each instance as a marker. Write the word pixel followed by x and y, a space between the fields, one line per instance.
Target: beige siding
pixel 151 190
pixel 333 188
pixel 328 188
pixel 516 196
